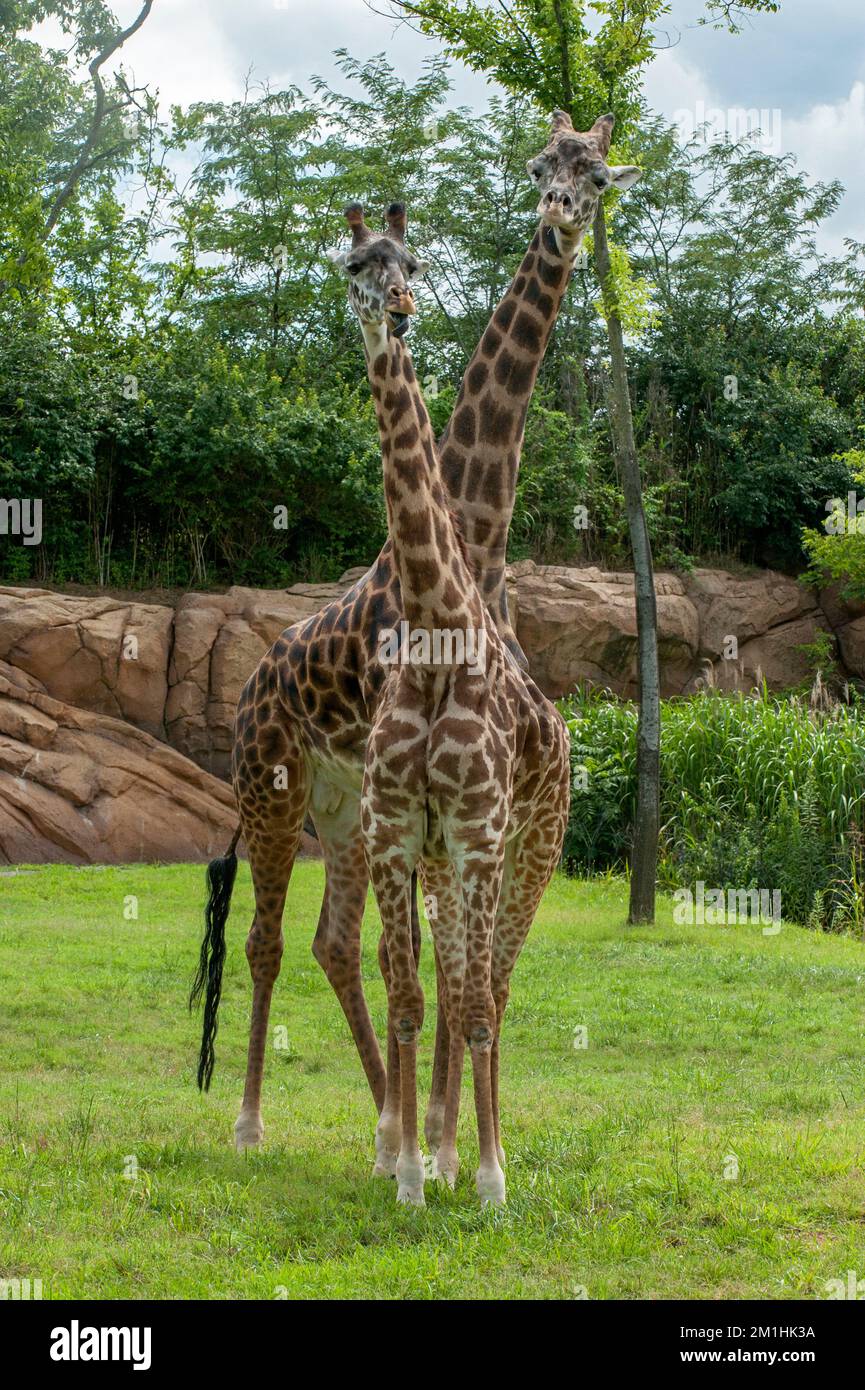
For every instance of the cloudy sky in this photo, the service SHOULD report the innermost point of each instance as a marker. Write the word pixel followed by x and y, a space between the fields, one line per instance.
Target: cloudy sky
pixel 803 67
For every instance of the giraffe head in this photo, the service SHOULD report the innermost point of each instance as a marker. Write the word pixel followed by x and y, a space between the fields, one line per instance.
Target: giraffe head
pixel 380 270
pixel 571 173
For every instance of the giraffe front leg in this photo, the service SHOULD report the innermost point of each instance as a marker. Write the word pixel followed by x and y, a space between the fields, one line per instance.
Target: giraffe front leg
pixel 388 1131
pixel 533 863
pixel 337 941
pixel 447 1163
pixel 389 1128
pixel 392 880
pixel 434 1119
pixel 500 999
pixel 490 1180
pixel 482 873
pixel 441 901
pixel 409 1165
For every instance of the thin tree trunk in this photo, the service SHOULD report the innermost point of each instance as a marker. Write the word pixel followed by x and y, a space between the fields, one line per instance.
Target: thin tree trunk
pixel 644 859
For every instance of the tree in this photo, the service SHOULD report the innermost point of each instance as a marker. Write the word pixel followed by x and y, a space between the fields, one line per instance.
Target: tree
pixel 545 49
pixel 548 52
pixel 72 134
pixel 750 373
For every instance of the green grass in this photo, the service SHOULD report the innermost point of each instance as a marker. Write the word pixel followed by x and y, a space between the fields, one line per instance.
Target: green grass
pixel 703 1042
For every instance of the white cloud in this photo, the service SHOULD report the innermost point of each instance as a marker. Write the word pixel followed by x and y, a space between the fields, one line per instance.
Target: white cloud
pixel 828 142
pixel 198 50
pixel 180 50
pixel 673 83
pixel 827 138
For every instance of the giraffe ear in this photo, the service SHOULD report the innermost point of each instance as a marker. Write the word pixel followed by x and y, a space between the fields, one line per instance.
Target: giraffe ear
pixel 336 257
pixel 420 268
pixel 601 132
pixel 623 175
pixel 560 121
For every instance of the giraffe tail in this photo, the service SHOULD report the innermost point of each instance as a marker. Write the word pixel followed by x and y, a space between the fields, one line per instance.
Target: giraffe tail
pixel 221 873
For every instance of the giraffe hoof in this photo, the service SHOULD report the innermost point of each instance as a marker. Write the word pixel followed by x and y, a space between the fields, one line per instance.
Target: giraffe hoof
pixel 387 1142
pixel 447 1167
pixel 410 1195
pixel 433 1128
pixel 384 1166
pixel 490 1183
pixel 248 1132
pixel 410 1176
pixel 385 1159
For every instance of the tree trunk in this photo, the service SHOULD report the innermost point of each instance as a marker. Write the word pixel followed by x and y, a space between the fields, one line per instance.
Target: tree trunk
pixel 644 858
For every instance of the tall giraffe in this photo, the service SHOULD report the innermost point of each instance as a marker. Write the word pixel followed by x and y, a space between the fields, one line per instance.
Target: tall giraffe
pixel 466 764
pixel 306 710
pixel 481 446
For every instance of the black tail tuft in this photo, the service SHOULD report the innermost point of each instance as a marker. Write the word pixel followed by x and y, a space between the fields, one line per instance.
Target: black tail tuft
pixel 208 980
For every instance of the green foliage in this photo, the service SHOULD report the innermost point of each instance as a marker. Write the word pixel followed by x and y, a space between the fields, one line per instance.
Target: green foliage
pixel 820 656
pixel 553 51
pixel 750 391
pixel 551 484
pixel 603 782
pixel 757 792
pixel 625 294
pixel 838 551
pixel 215 294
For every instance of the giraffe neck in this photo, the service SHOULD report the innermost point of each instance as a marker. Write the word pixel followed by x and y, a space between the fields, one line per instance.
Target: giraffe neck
pixel 480 449
pixel 438 590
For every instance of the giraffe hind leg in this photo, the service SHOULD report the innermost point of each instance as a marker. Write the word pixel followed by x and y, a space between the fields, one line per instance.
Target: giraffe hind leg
pixel 338 939
pixel 272 788
pixel 530 866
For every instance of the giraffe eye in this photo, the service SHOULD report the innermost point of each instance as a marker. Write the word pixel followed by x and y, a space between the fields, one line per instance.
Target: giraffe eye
pixel 352 269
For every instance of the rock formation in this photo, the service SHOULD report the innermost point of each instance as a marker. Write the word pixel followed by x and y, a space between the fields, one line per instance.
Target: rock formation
pixel 116 715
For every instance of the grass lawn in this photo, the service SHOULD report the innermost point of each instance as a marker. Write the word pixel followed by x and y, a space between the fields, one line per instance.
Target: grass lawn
pixel 711 1051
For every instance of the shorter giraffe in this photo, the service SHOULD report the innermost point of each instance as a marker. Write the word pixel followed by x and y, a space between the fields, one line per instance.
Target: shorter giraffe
pixel 466 770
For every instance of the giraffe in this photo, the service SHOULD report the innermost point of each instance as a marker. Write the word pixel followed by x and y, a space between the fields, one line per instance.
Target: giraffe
pixel 480 448
pixel 307 708
pixel 466 766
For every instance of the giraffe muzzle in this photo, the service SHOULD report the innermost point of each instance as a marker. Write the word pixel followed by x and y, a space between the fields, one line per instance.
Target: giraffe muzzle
pixel 400 301
pixel 400 308
pixel 556 213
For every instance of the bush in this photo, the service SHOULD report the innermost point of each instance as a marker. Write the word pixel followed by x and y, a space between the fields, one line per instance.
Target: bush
pixel 756 792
